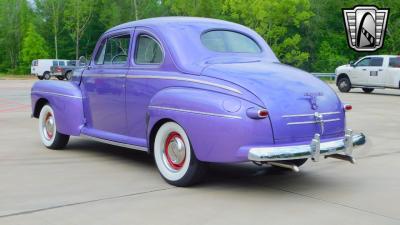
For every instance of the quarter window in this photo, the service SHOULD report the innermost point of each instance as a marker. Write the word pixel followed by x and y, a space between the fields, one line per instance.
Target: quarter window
pixel 148 51
pixel 114 51
pixel 229 42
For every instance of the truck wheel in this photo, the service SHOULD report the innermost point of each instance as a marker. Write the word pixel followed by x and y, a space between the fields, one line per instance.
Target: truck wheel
pixel 49 135
pixel 368 90
pixel 68 75
pixel 46 75
pixel 344 84
pixel 174 156
pixel 40 77
pixel 60 77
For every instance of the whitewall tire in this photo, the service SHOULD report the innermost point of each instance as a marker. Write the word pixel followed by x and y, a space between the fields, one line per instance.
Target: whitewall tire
pixel 48 130
pixel 174 156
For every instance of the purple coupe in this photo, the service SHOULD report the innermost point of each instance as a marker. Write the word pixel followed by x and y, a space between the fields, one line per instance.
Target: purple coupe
pixel 191 91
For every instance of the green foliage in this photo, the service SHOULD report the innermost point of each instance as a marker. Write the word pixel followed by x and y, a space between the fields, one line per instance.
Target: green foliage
pixel 33 47
pixel 279 22
pixel 304 33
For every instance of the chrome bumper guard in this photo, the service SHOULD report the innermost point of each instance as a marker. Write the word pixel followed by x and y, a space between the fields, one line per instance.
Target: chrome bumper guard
pixel 339 149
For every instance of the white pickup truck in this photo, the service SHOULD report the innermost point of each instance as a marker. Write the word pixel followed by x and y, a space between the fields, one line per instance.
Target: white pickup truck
pixel 369 73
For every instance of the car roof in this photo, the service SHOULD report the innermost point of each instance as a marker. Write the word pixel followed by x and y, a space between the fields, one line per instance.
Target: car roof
pixel 160 22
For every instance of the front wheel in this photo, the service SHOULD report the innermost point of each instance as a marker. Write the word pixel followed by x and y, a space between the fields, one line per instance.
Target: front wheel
pixel 174 156
pixel 344 84
pixel 49 135
pixel 368 90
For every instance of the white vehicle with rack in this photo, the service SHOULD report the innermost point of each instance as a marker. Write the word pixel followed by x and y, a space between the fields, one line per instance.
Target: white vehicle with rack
pixel 369 73
pixel 41 67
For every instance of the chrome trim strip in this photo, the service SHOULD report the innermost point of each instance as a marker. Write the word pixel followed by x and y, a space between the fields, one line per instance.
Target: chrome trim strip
pixel 183 79
pixel 196 112
pixel 104 75
pixel 311 122
pixel 135 147
pixel 311 114
pixel 52 93
pixel 278 153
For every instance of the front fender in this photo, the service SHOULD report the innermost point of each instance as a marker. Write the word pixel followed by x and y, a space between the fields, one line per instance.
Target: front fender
pixel 66 100
pixel 216 123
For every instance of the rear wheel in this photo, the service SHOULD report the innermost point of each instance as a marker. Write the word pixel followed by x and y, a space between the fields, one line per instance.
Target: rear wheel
pixel 368 90
pixel 49 135
pixel 174 156
pixel 46 75
pixel 344 84
pixel 68 75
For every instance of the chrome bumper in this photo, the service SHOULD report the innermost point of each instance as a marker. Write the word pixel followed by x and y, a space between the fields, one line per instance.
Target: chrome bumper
pixel 314 150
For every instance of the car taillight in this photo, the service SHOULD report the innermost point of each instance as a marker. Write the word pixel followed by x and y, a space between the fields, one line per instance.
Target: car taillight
pixel 347 107
pixel 257 113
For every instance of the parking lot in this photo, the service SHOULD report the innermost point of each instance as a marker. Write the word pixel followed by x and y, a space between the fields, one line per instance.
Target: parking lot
pixel 95 183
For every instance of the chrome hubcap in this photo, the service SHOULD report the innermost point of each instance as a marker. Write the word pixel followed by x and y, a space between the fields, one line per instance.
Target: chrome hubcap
pixel 48 126
pixel 175 151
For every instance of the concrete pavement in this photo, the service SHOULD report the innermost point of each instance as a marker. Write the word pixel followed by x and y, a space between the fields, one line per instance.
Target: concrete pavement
pixel 95 183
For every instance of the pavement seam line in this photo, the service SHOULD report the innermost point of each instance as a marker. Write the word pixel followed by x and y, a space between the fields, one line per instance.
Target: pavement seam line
pixel 83 202
pixel 335 203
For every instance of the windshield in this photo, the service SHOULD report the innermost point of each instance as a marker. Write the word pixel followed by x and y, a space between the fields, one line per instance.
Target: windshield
pixel 229 41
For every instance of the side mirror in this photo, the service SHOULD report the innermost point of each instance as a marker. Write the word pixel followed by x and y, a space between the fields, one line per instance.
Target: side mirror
pixel 82 61
pixel 352 63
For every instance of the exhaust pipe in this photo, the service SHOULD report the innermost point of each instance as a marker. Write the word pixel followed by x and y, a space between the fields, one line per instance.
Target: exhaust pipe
pixel 292 167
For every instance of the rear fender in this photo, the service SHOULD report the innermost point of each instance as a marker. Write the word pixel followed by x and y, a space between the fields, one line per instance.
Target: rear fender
pixel 216 123
pixel 66 100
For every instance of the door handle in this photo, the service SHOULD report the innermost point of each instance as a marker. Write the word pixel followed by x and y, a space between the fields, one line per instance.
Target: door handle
pixel 380 70
pixel 364 69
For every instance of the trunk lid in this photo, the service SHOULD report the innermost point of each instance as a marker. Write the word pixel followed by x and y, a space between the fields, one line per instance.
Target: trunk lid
pixel 291 96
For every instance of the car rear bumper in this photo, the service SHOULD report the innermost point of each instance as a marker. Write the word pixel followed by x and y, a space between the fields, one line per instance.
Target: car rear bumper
pixel 337 148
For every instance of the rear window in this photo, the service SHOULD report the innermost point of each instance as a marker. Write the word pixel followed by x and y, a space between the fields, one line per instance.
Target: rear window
pixel 229 42
pixel 34 63
pixel 394 62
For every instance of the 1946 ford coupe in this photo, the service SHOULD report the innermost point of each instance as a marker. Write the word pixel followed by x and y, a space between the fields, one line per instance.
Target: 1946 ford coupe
pixel 191 91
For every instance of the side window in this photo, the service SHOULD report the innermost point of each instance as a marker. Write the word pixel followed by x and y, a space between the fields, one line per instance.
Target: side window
pixel 61 63
pixel 148 51
pixel 376 61
pixel 394 62
pixel 364 62
pixel 113 51
pixel 55 63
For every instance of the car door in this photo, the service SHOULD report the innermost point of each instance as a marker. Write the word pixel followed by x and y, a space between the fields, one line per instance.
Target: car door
pixel 360 73
pixel 392 73
pixel 148 60
pixel 104 85
pixel 376 72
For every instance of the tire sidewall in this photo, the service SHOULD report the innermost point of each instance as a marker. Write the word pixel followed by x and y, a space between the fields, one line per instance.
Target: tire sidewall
pixel 348 84
pixel 46 76
pixel 43 112
pixel 68 75
pixel 167 173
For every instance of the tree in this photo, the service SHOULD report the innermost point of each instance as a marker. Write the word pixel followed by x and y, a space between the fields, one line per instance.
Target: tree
pixel 52 12
pixel 77 16
pixel 14 16
pixel 33 47
pixel 280 22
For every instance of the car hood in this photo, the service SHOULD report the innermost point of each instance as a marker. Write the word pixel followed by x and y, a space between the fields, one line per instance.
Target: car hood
pixel 288 94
